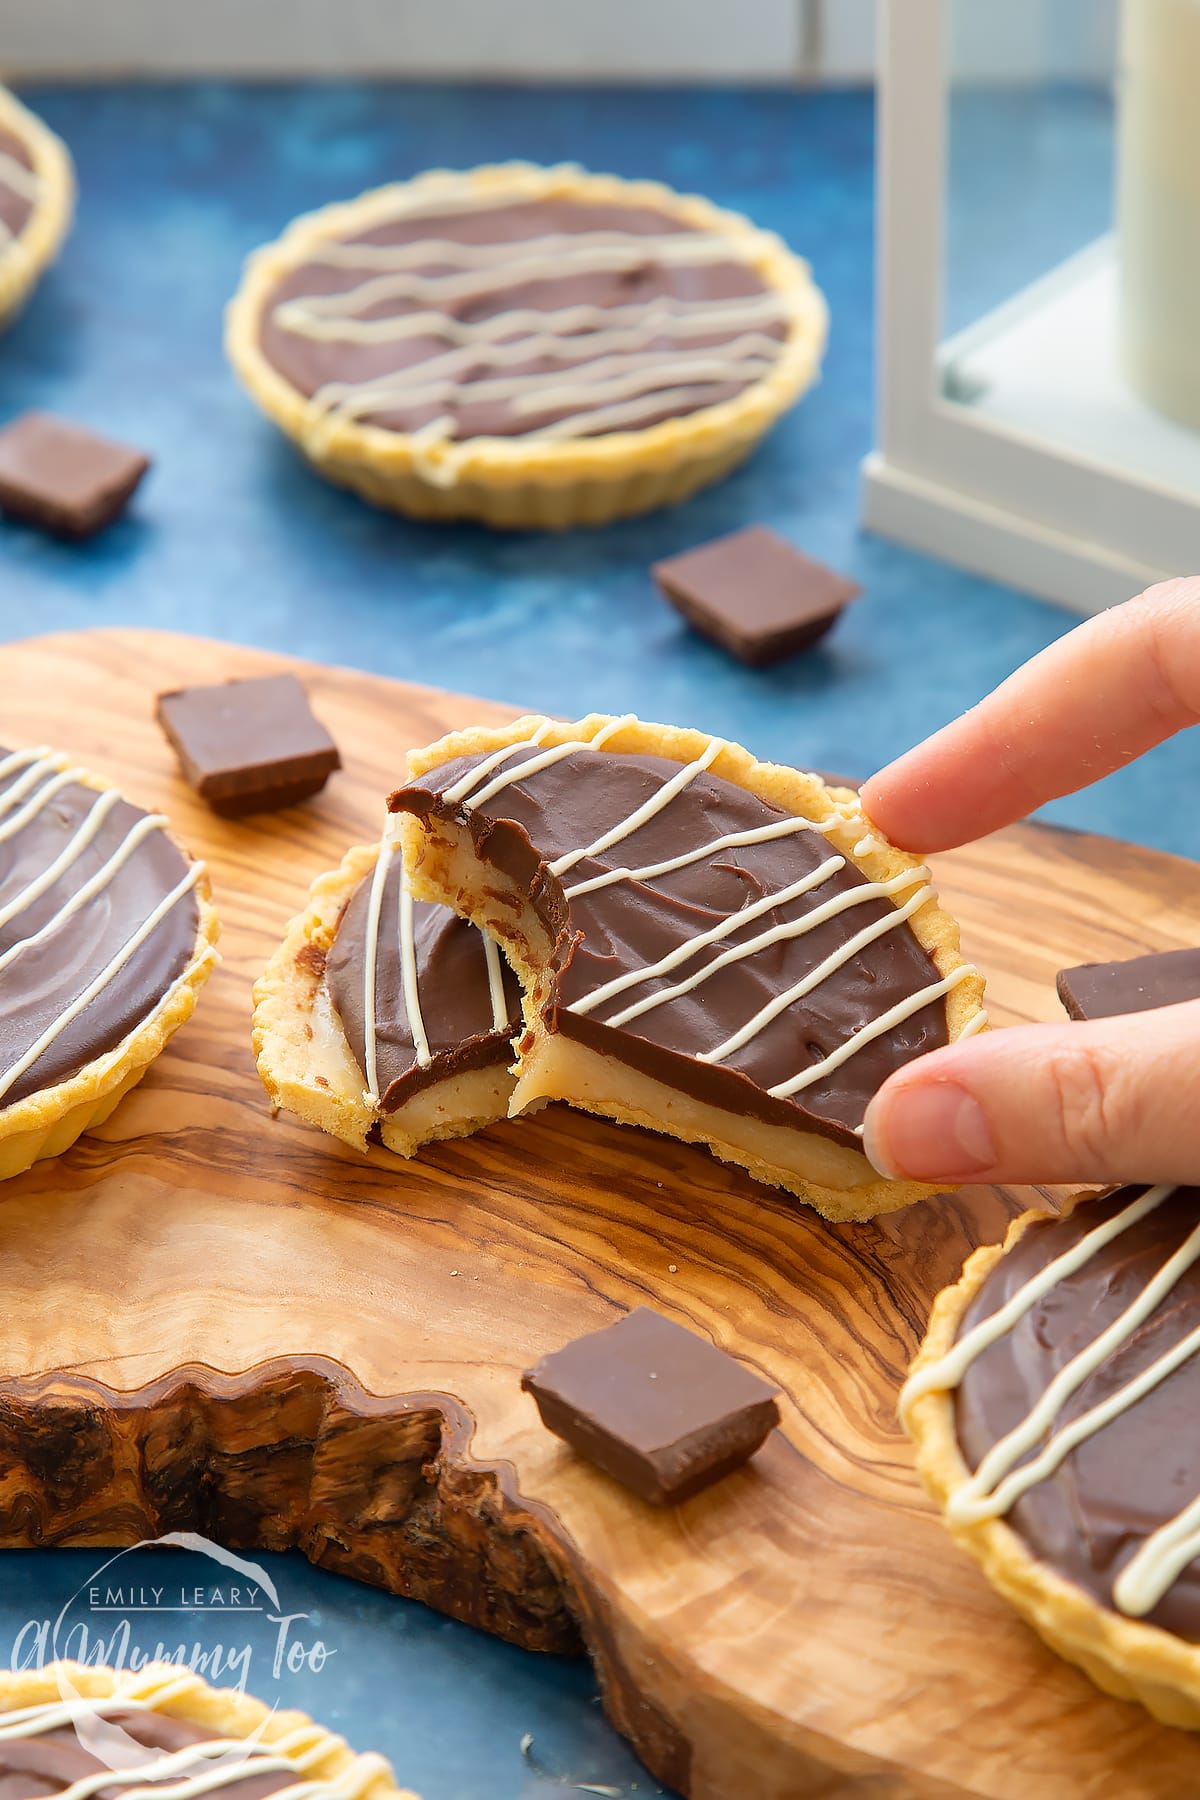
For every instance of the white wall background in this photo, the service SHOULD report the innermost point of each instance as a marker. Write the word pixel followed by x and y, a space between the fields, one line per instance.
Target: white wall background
pixel 547 40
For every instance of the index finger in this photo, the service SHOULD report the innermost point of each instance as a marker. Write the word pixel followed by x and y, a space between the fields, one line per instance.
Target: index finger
pixel 1090 703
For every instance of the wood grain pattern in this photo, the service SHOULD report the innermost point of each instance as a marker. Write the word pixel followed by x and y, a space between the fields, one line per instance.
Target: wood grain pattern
pixel 221 1321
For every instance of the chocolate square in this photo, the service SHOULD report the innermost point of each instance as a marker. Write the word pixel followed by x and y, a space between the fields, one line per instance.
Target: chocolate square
pixel 1109 990
pixel 63 477
pixel 655 1406
pixel 249 746
pixel 755 594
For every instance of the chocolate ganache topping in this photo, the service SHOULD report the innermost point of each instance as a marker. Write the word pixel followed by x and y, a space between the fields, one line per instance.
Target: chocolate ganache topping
pixel 52 1760
pixel 442 999
pixel 489 315
pixel 19 187
pixel 701 935
pixel 98 920
pixel 1096 1517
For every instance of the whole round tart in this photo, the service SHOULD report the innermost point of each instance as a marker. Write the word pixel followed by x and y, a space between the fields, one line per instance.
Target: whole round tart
pixel 526 346
pixel 37 191
pixel 1053 1405
pixel 106 937
pixel 66 1729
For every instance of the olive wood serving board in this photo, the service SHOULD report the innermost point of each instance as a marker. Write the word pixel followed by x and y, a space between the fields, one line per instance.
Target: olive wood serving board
pixel 219 1321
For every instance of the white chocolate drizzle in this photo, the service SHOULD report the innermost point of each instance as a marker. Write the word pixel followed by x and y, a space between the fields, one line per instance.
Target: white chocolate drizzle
pixel 1003 1474
pixel 20 179
pixel 733 840
pixel 542 761
pixel 835 960
pixel 20 803
pixel 615 370
pixel 650 809
pixel 67 857
pixel 877 1028
pixel 596 384
pixel 26 184
pixel 408 973
pixel 495 972
pixel 180 1774
pixel 387 849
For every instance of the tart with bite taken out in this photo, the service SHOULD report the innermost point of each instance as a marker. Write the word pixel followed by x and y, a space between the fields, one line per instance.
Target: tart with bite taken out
pixel 710 946
pixel 531 347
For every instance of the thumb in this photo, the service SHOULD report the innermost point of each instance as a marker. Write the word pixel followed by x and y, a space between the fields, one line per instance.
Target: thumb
pixel 1104 1100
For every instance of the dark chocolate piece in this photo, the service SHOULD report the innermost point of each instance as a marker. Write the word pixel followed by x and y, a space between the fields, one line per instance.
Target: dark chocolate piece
pixel 702 308
pixel 655 1406
pixel 755 594
pixel 63 477
pixel 1089 1517
pixel 49 1762
pixel 51 953
pixel 1108 990
pixel 249 746
pixel 453 992
pixel 629 924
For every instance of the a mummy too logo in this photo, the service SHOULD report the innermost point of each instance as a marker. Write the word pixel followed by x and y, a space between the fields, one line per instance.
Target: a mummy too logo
pixel 179 1600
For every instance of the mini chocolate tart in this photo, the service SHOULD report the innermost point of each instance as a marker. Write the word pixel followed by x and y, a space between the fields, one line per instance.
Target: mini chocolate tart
pixel 713 947
pixel 106 937
pixel 381 1015
pixel 1053 1406
pixel 164 1728
pixel 37 194
pixel 530 347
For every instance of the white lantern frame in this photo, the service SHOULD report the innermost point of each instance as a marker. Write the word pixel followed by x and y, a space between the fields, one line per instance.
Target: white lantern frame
pixel 976 490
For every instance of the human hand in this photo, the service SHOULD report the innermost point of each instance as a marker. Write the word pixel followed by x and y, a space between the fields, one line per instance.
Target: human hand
pixel 1108 1100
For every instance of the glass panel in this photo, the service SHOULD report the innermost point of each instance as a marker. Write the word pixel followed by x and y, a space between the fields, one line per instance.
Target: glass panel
pixel 1072 269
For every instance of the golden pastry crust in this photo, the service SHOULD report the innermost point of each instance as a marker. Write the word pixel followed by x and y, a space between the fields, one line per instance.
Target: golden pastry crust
pixel 838 1181
pixel 48 1122
pixel 304 1061
pixel 37 243
pixel 530 483
pixel 1124 1656
pixel 226 1711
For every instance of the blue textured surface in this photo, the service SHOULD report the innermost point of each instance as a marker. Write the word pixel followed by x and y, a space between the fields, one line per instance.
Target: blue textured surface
pixel 231 536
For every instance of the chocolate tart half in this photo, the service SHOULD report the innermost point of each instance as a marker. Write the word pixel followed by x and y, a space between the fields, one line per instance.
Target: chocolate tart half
pixel 714 947
pixel 532 347
pixel 165 1728
pixel 37 194
pixel 107 935
pixel 383 1016
pixel 1053 1406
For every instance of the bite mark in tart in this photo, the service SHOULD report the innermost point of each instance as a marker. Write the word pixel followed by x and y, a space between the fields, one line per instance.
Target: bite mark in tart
pixel 1053 1407
pixel 713 947
pixel 381 1014
pixel 526 346
pixel 106 937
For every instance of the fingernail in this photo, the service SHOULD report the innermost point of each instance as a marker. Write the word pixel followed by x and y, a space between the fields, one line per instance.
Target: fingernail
pixel 935 1132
